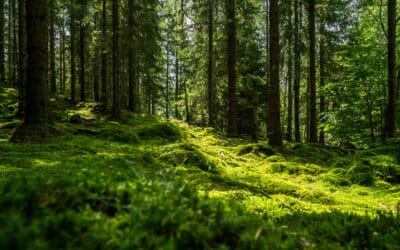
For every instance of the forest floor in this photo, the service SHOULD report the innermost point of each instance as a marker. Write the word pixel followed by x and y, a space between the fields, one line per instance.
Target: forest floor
pixel 148 183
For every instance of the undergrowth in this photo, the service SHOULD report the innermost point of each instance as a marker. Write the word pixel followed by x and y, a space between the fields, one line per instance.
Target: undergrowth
pixel 147 183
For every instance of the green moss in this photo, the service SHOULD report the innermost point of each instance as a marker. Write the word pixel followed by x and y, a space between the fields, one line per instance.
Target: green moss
pixel 255 149
pixel 185 154
pixel 163 130
pixel 118 136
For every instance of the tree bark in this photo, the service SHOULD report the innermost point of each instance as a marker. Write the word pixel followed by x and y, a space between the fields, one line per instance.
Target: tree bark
pixel 313 138
pixel 82 60
pixel 274 125
pixel 322 77
pixel 391 115
pixel 290 79
pixel 37 69
pixel 116 109
pixel 231 63
pixel 131 58
pixel 212 116
pixel 104 95
pixel 53 88
pixel 22 56
pixel 73 57
pixel 297 59
pixel 2 57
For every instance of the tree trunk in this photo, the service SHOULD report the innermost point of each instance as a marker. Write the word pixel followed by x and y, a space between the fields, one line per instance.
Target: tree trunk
pixel 53 88
pixel 167 88
pixel 391 115
pixel 312 130
pixel 82 61
pixel 22 56
pixel 212 113
pixel 322 77
pixel 37 69
pixel 274 125
pixel 73 57
pixel 2 57
pixel 116 109
pixel 231 63
pixel 131 57
pixel 104 94
pixel 290 79
pixel 297 60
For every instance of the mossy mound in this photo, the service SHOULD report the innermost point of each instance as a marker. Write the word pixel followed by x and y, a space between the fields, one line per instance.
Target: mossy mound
pixel 118 136
pixel 255 148
pixel 185 154
pixel 164 131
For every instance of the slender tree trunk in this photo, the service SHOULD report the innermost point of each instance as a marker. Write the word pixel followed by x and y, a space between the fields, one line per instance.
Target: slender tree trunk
pixel 231 62
pixel 62 58
pixel 2 57
pixel 313 138
pixel 274 126
pixel 290 79
pixel 297 59
pixel 15 43
pixel 131 57
pixel 73 58
pixel 391 116
pixel 116 109
pixel 177 87
pixel 104 94
pixel 167 88
pixel 53 88
pixel 212 113
pixel 22 56
pixel 322 77
pixel 37 68
pixel 82 61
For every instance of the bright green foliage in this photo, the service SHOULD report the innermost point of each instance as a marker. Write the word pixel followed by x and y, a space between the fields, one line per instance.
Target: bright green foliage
pixel 147 183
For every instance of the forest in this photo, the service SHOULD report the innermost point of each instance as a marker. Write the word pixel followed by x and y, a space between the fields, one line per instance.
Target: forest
pixel 212 124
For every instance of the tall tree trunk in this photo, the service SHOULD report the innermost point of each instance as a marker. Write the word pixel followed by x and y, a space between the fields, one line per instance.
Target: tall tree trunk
pixel 177 87
pixel 22 56
pixel 313 138
pixel 104 94
pixel 15 43
pixel 212 113
pixel 116 109
pixel 391 116
pixel 167 88
pixel 62 58
pixel 2 57
pixel 37 69
pixel 274 125
pixel 131 57
pixel 231 62
pixel 82 60
pixel 322 77
pixel 53 88
pixel 297 59
pixel 73 58
pixel 290 79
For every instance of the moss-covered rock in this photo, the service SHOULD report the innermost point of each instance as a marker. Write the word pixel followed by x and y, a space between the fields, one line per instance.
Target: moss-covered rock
pixel 118 136
pixel 255 148
pixel 185 154
pixel 164 130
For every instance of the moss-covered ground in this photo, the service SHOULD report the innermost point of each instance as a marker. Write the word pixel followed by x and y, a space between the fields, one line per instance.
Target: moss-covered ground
pixel 147 183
